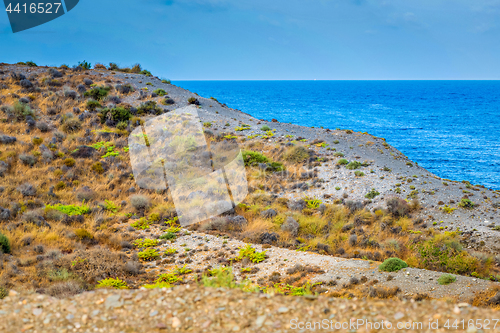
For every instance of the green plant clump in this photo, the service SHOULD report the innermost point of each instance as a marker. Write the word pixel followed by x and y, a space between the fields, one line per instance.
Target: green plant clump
pixel 160 92
pixel 70 210
pixel 342 161
pixel 392 265
pixel 446 279
pixel 250 253
pixel 353 165
pixel 97 93
pixel 372 194
pixel 4 244
pixel 118 114
pixel 145 242
pixel 148 254
pixel 112 283
pixel 466 203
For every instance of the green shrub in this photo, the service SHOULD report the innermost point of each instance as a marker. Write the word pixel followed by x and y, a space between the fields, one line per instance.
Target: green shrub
pixel 166 81
pixel 118 114
pixel 37 141
pixel 111 206
pixel 446 279
pixel 168 236
pixel 148 254
pixel 207 124
pixel 250 253
pixel 296 154
pixel 4 292
pixel 30 64
pixel 466 203
pixel 372 194
pixel 149 107
pixel 19 111
pixel 444 253
pixel 93 104
pixel 112 283
pixel 342 161
pixel 85 65
pixel 97 167
pixel 392 265
pixel 160 92
pixel 222 278
pixel 145 72
pixel 71 125
pixel 265 128
pixel 253 158
pixel 359 173
pixel 146 242
pixel 4 244
pixel 69 162
pixel 97 93
pixel 122 125
pixel 353 165
pixel 83 234
pixel 338 154
pixel 141 224
pixel 193 100
pixel 70 210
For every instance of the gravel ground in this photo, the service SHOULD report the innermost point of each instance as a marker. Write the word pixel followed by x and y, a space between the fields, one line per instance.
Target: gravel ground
pixel 205 250
pixel 197 309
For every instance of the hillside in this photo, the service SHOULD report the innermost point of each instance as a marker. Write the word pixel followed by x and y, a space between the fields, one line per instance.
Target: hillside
pixel 325 208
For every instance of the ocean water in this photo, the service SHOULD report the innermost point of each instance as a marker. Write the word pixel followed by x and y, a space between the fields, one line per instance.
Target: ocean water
pixel 451 128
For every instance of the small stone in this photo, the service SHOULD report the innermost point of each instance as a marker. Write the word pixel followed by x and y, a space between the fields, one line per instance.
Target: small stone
pixel 70 317
pixel 176 322
pixel 398 315
pixel 260 321
pixel 37 312
pixel 153 313
pixel 283 309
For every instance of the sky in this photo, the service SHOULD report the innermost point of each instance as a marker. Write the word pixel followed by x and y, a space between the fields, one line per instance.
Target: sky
pixel 272 39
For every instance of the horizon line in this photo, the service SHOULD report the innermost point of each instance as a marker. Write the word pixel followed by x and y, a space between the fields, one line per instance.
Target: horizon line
pixel 335 80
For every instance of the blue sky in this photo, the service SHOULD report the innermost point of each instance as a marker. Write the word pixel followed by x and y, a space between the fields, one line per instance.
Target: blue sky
pixel 272 39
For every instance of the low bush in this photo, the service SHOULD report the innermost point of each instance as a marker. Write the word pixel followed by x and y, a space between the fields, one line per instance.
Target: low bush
pixel 193 101
pixel 4 244
pixel 97 167
pixel 124 89
pixel 466 203
pixel 37 141
pixel 398 207
pixel 160 92
pixel 118 114
pixel 446 279
pixel 97 93
pixel 71 125
pixel 265 128
pixel 83 234
pixel 342 161
pixel 146 242
pixel 27 159
pixel 4 292
pixel 149 107
pixel 392 265
pixel 112 283
pixel 93 104
pixel 148 254
pixel 139 201
pixel 252 158
pixel 353 165
pixel 250 253
pixel 70 210
pixel 69 162
pixel 296 154
pixel 167 101
pixel 372 194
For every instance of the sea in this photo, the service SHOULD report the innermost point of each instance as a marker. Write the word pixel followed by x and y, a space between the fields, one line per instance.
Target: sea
pixel 451 128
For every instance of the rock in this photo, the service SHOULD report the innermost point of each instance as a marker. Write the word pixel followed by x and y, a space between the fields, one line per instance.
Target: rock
pixel 7 139
pixel 290 226
pixel 238 221
pixel 269 238
pixel 3 169
pixel 322 208
pixel 5 214
pixel 131 190
pixel 296 205
pixel 113 301
pixel 26 83
pixel 495 300
pixel 83 152
pixel 269 213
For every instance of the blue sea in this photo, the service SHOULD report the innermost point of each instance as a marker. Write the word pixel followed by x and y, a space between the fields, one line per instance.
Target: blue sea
pixel 452 128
